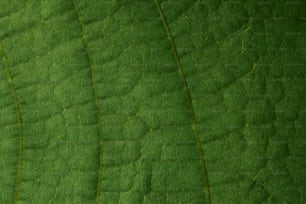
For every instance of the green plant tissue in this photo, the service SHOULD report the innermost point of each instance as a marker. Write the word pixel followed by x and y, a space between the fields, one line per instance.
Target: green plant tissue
pixel 152 101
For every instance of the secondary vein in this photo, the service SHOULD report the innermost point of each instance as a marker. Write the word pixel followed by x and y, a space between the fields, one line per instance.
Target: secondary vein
pixel 97 101
pixel 189 100
pixel 19 118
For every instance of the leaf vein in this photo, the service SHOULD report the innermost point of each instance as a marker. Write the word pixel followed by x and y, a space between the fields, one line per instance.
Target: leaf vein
pixel 20 123
pixel 189 99
pixel 97 101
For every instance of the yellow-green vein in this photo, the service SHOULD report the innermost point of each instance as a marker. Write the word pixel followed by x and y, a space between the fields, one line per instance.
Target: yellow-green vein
pixel 97 101
pixel 20 134
pixel 189 100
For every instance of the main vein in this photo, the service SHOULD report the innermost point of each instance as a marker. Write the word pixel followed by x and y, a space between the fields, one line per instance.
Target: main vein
pixel 97 101
pixel 189 100
pixel 20 126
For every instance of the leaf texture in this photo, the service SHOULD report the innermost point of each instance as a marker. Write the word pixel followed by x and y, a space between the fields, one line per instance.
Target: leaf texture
pixel 160 101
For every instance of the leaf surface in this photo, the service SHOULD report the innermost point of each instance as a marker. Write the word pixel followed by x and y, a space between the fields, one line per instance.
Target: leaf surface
pixel 158 101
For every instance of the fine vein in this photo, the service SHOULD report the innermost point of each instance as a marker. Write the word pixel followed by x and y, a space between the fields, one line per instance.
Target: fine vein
pixel 189 100
pixel 97 101
pixel 20 126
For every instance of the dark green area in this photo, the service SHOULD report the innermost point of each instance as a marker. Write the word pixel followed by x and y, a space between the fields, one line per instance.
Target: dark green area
pixel 134 101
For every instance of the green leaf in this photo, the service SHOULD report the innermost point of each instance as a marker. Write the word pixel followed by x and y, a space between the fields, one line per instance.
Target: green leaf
pixel 159 101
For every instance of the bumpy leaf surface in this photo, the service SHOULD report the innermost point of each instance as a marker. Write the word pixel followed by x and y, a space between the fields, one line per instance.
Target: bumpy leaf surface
pixel 152 101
